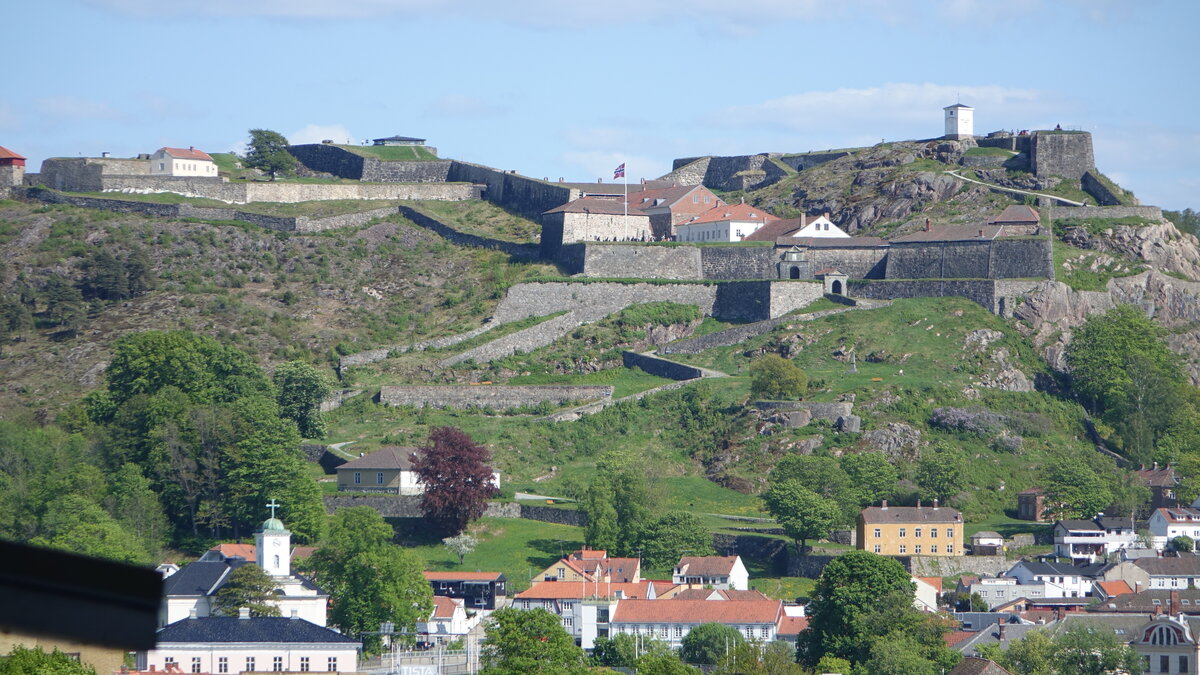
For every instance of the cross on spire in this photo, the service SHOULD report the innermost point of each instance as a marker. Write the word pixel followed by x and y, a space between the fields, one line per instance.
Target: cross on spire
pixel 273 505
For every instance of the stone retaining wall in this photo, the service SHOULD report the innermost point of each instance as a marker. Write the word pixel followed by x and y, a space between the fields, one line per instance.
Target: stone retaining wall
pixel 406 506
pixel 338 397
pixel 946 566
pixel 820 411
pixel 1066 154
pixel 522 341
pixel 616 261
pixel 550 514
pixel 518 251
pixel 661 367
pixel 737 262
pixel 498 397
pixel 1084 212
pixel 527 196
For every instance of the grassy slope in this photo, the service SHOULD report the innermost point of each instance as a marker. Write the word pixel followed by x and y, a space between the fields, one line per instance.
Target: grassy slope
pixel 392 153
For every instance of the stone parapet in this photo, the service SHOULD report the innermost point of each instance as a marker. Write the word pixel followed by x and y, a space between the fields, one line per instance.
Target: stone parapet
pixel 498 397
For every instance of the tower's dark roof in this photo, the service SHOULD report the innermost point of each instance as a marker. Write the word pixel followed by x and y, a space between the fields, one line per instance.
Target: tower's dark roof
pixel 200 577
pixel 231 629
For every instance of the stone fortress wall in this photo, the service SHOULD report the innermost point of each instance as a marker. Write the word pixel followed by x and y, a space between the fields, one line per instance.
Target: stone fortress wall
pixel 499 397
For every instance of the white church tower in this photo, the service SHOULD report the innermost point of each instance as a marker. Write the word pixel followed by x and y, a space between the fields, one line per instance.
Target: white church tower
pixel 960 121
pixel 274 544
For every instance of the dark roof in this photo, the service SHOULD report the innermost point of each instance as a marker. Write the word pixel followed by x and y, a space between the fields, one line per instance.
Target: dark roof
pixel 1018 213
pixel 200 578
pixel 399 138
pixel 957 105
pixel 612 206
pixel 1114 523
pixel 1078 524
pixel 232 629
pixel 387 457
pixel 1153 477
pixel 1147 602
pixel 774 230
pixel 1176 566
pixel 1065 569
pixel 952 233
pixel 910 514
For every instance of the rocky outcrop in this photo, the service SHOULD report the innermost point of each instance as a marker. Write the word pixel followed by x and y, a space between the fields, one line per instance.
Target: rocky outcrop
pixel 1160 245
pixel 896 440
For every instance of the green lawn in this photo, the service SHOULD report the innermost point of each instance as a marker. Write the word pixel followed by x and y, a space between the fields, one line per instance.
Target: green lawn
pixel 988 152
pixel 392 153
pixel 625 381
pixel 784 588
pixel 518 548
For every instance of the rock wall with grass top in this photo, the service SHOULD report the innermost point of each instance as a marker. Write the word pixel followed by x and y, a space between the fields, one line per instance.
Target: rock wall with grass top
pixel 1005 258
pixel 1067 154
pixel 737 262
pixel 343 163
pixel 592 301
pixel 527 196
pixel 498 397
pixel 630 261
pixel 661 367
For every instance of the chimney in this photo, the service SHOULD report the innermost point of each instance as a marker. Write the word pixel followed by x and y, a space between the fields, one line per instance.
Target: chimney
pixel 1001 635
pixel 935 504
pixel 883 505
pixel 191 147
pixel 918 503
pixel 560 179
pixel 295 613
pixel 826 214
pixel 981 233
pixel 927 225
pixel 243 612
pixel 803 220
pixel 599 180
pixel 104 154
pixel 192 613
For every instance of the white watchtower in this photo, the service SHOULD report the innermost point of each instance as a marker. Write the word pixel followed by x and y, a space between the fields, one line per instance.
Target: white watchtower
pixel 960 121
pixel 274 544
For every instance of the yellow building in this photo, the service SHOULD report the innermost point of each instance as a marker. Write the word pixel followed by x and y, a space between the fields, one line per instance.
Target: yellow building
pixel 911 530
pixel 104 659
pixel 590 564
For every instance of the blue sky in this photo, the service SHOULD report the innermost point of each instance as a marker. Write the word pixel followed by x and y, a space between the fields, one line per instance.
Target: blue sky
pixel 556 88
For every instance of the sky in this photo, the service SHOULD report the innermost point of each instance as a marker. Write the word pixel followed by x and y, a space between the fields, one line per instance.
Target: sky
pixel 570 89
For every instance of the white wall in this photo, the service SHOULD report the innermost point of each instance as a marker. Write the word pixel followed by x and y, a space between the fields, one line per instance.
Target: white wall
pixel 264 657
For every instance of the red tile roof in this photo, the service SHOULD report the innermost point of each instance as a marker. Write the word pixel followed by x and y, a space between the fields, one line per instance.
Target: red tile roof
pixel 792 625
pixel 697 611
pixel 936 582
pixel 1114 588
pixel 1158 477
pixel 739 212
pixel 462 576
pixel 247 551
pixel 187 153
pixel 443 607
pixel 910 514
pixel 719 595
pixel 5 153
pixel 956 636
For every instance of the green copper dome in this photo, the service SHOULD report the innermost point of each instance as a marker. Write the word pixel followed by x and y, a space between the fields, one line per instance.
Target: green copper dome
pixel 273 525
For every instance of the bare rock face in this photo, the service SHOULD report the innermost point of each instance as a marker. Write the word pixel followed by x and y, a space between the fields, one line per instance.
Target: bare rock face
pixel 1006 376
pixel 896 440
pixel 661 335
pixel 1052 310
pixel 1161 245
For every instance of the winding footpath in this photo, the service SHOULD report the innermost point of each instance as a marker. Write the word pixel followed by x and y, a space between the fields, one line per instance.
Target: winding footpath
pixel 993 186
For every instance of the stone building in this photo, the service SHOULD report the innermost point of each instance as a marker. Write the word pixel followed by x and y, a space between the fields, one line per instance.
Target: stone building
pixel 12 169
pixel 597 219
pixel 182 162
pixel 911 530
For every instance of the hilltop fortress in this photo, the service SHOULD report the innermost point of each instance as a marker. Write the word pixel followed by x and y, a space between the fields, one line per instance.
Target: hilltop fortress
pixel 590 232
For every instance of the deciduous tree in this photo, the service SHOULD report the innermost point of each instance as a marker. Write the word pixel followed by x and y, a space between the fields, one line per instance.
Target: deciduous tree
pixel 301 389
pixel 777 378
pixel 802 513
pixel 24 661
pixel 460 546
pixel 1074 490
pixel 519 642
pixel 942 473
pixel 674 535
pixel 872 475
pixel 708 643
pixel 248 586
pixel 457 477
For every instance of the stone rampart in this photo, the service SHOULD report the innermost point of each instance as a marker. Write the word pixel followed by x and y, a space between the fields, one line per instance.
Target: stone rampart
pixel 857 262
pixel 329 159
pixel 1058 153
pixel 1094 186
pixel 522 341
pixel 1021 258
pixel 431 171
pixel 661 367
pixel 809 160
pixel 85 174
pixel 616 261
pixel 337 398
pixel 1003 258
pixel 788 296
pixel 374 355
pixel 519 251
pixel 526 196
pixel 498 397
pixel 594 301
pixel 550 514
pixel 1084 212
pixel 745 172
pixel 406 506
pixel 807 566
pixel 743 301
pixel 737 262
pixel 981 291
pixel 689 170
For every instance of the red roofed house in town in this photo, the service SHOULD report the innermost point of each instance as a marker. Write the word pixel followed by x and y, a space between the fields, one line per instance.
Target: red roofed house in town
pixel 714 571
pixel 725 223
pixel 12 168
pixel 584 606
pixel 448 622
pixel 671 620
pixel 182 162
pixel 593 565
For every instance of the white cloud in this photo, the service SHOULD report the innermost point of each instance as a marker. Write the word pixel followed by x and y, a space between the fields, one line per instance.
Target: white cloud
pixel 461 105
pixel 895 108
pixel 74 108
pixel 315 133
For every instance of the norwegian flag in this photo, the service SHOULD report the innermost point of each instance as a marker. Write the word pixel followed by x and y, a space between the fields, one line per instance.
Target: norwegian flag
pixel 619 172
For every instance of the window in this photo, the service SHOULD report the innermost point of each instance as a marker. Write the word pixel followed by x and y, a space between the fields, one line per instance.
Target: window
pixel 764 632
pixel 524 604
pixel 1183 664
pixel 917 533
pixel 379 478
pixel 357 477
pixel 1164 663
pixel 933 532
pixel 917 549
pixel 678 632
pixel 162 166
pixel 877 548
pixel 223 664
pixel 568 623
pixel 168 659
pixel 949 532
pixel 304 667
pixel 903 548
pixel 949 548
pixel 933 548
pixel 705 199
pixel 903 532
pixel 562 572
pixel 696 199
pixel 332 666
pixel 195 664
pixel 878 533
pixel 249 664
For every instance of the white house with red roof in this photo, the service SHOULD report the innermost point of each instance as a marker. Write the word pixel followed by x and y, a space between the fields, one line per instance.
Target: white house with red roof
pixel 448 622
pixel 672 620
pixel 1167 523
pixel 725 572
pixel 724 223
pixel 182 162
pixel 585 607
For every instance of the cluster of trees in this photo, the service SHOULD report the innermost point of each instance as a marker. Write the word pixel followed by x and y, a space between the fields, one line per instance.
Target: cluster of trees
pixel 103 277
pixel 811 495
pixel 1086 650
pixel 619 504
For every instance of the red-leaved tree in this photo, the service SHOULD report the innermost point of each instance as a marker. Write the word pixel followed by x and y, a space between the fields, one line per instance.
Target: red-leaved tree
pixel 457 477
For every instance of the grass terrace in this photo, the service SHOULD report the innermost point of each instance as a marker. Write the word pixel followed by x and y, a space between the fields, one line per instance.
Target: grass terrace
pixel 392 153
pixel 988 152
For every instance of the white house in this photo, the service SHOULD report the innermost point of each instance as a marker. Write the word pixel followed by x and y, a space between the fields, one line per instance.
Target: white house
pixel 723 572
pixel 387 470
pixel 182 162
pixel 960 121
pixel 584 607
pixel 725 223
pixel 222 644
pixel 190 591
pixel 1074 580
pixel 671 620
pixel 1167 523
pixel 996 591
pixel 820 227
pixel 1092 539
pixel 928 590
pixel 448 622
